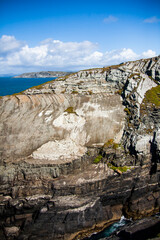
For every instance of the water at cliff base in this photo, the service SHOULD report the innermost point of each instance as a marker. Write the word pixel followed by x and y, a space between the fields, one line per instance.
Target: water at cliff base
pixel 109 230
pixel 9 85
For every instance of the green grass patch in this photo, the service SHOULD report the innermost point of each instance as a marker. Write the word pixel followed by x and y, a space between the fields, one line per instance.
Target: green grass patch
pixel 111 144
pixel 97 159
pixel 153 96
pixel 122 169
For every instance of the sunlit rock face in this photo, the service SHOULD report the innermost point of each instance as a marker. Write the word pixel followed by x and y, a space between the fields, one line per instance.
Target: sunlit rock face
pixel 80 151
pixel 60 121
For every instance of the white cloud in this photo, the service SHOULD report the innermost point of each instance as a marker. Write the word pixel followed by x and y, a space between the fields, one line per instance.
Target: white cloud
pixel 153 19
pixel 148 54
pixel 110 19
pixel 57 55
pixel 9 43
pixel 124 54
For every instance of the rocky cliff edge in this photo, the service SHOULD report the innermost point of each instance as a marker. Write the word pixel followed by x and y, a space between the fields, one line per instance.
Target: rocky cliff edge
pixel 80 151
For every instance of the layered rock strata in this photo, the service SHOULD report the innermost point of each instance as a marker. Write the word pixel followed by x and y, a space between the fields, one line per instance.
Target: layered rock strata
pixel 80 151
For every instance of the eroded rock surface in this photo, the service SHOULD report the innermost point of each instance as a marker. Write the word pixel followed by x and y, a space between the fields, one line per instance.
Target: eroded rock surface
pixel 80 151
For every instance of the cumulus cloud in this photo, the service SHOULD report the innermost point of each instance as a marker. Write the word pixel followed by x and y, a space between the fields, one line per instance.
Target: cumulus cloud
pixel 110 19
pixel 148 54
pixel 57 55
pixel 153 19
pixel 124 54
pixel 9 43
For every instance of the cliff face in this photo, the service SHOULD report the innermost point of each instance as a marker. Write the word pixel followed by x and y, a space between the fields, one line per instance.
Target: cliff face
pixel 80 151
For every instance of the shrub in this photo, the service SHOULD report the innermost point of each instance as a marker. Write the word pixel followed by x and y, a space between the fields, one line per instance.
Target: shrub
pixel 70 110
pixel 109 143
pixel 97 159
pixel 115 145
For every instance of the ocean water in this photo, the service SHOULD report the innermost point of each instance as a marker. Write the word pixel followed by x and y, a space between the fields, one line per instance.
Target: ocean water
pixel 109 230
pixel 10 85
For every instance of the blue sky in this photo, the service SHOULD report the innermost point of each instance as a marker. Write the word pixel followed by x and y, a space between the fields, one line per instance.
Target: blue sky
pixel 71 35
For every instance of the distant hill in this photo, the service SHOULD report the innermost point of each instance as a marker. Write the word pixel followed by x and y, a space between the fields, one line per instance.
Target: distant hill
pixel 43 74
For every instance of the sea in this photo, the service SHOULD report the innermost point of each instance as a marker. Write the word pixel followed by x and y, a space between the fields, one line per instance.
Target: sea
pixel 109 230
pixel 117 226
pixel 11 85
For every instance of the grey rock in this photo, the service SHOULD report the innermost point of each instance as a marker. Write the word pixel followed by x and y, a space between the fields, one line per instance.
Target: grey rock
pixel 51 135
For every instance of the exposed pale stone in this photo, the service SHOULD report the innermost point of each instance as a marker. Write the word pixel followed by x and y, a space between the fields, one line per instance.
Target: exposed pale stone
pixel 12 231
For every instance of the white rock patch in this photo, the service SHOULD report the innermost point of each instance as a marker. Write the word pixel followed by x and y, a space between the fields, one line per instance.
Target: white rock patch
pixel 64 149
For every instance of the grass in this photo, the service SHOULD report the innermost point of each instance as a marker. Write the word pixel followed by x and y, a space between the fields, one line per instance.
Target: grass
pixel 152 96
pixel 70 110
pixel 122 169
pixel 97 159
pixel 111 144
pixel 104 69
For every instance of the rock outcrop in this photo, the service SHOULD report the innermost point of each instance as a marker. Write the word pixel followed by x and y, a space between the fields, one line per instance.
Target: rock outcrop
pixel 146 228
pixel 80 151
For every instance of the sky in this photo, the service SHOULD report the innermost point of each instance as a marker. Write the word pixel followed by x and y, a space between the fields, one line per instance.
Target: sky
pixel 43 35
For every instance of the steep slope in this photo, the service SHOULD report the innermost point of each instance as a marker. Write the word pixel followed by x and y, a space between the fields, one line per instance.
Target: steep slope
pixel 80 151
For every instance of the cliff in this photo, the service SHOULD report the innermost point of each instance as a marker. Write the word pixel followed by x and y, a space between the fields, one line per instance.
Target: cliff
pixel 80 151
pixel 43 74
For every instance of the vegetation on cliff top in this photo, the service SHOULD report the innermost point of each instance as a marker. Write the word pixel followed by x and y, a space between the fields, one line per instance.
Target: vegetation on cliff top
pixel 111 144
pixel 120 170
pixel 152 96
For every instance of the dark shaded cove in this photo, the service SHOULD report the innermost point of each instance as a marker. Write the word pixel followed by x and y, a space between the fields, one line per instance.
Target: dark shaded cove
pixel 144 234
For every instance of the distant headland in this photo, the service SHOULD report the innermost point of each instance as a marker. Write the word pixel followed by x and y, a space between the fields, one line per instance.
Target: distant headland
pixel 43 74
